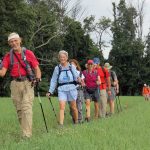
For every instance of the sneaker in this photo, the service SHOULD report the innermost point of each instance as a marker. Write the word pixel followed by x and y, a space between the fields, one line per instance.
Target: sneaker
pixel 108 114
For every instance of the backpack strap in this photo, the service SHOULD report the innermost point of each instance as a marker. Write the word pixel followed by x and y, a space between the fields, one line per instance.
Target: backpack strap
pixel 112 75
pixel 27 66
pixel 59 72
pixel 12 56
pixel 70 68
pixel 104 72
pixel 80 75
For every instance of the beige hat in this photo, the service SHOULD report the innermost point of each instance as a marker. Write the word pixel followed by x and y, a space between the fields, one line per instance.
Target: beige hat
pixel 107 65
pixel 13 35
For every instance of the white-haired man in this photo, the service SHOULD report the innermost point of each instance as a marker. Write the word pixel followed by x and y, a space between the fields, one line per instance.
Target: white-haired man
pixel 20 61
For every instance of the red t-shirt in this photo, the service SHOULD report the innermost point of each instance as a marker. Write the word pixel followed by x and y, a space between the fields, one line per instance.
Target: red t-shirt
pixel 103 77
pixel 90 78
pixel 18 69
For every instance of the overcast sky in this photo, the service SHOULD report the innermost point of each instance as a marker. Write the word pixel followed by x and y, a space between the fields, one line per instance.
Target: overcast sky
pixel 100 8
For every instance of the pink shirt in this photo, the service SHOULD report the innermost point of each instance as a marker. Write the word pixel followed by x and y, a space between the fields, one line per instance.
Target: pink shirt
pixel 90 78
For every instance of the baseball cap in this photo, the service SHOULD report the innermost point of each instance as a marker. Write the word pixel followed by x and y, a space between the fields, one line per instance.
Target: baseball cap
pixel 90 61
pixel 96 60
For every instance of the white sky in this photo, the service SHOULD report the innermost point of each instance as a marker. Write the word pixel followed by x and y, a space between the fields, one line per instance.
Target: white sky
pixel 100 8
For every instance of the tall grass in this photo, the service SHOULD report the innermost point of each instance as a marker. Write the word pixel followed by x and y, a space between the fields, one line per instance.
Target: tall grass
pixel 127 130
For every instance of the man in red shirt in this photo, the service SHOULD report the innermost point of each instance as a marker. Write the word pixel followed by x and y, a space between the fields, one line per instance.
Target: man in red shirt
pixel 105 80
pixel 22 93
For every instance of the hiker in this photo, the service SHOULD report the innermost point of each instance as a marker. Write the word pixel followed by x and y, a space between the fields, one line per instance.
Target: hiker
pixel 80 87
pixel 145 92
pixel 65 78
pixel 114 88
pixel 105 80
pixel 18 60
pixel 92 82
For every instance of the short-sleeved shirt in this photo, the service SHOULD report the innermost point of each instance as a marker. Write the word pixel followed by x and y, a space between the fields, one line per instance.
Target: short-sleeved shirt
pixel 145 90
pixel 103 76
pixel 17 69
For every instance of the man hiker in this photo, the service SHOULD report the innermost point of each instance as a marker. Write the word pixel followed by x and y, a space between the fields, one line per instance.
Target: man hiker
pixel 105 80
pixel 20 61
pixel 114 87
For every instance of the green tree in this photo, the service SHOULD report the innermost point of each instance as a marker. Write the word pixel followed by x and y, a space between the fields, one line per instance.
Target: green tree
pixel 127 49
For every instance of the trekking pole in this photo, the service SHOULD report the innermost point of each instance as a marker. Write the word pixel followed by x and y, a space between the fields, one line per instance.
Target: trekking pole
pixel 119 103
pixel 98 89
pixel 53 109
pixel 40 102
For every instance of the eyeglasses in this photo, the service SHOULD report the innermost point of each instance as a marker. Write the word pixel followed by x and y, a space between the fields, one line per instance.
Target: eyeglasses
pixel 90 64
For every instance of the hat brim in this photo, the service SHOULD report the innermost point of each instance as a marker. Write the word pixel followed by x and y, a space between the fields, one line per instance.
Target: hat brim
pixel 109 67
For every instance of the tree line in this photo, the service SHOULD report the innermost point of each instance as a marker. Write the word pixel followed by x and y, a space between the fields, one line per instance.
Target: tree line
pixel 48 26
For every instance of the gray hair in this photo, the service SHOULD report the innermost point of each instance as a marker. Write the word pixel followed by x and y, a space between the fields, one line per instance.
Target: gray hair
pixel 63 52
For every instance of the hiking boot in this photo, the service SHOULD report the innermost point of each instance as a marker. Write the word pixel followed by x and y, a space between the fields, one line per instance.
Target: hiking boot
pixel 109 114
pixel 80 121
pixel 87 119
pixel 60 126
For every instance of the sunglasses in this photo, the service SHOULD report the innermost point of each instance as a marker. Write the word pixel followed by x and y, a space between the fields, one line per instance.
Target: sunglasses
pixel 90 64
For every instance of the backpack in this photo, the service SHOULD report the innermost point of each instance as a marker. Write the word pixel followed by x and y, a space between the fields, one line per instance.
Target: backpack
pixel 27 67
pixel 112 75
pixel 59 72
pixel 1 63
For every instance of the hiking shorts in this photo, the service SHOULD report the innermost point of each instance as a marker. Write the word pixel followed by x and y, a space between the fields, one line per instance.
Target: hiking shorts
pixel 113 94
pixel 92 94
pixel 67 95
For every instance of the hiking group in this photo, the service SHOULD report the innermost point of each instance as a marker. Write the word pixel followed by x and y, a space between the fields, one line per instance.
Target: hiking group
pixel 75 87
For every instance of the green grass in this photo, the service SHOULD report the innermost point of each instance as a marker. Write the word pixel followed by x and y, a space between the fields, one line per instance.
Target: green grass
pixel 128 130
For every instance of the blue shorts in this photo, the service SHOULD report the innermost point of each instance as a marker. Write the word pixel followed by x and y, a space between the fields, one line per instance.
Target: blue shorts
pixel 67 95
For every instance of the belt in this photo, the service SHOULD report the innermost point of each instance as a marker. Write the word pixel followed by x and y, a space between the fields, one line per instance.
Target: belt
pixel 19 79
pixel 73 82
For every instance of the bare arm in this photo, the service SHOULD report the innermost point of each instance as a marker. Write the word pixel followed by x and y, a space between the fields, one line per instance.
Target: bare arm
pixel 109 83
pixel 3 72
pixel 37 72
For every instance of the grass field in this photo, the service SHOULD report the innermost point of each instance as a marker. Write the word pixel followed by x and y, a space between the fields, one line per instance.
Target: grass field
pixel 127 130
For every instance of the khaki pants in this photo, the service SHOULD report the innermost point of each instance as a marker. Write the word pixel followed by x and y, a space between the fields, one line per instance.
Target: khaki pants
pixel 22 95
pixel 103 103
